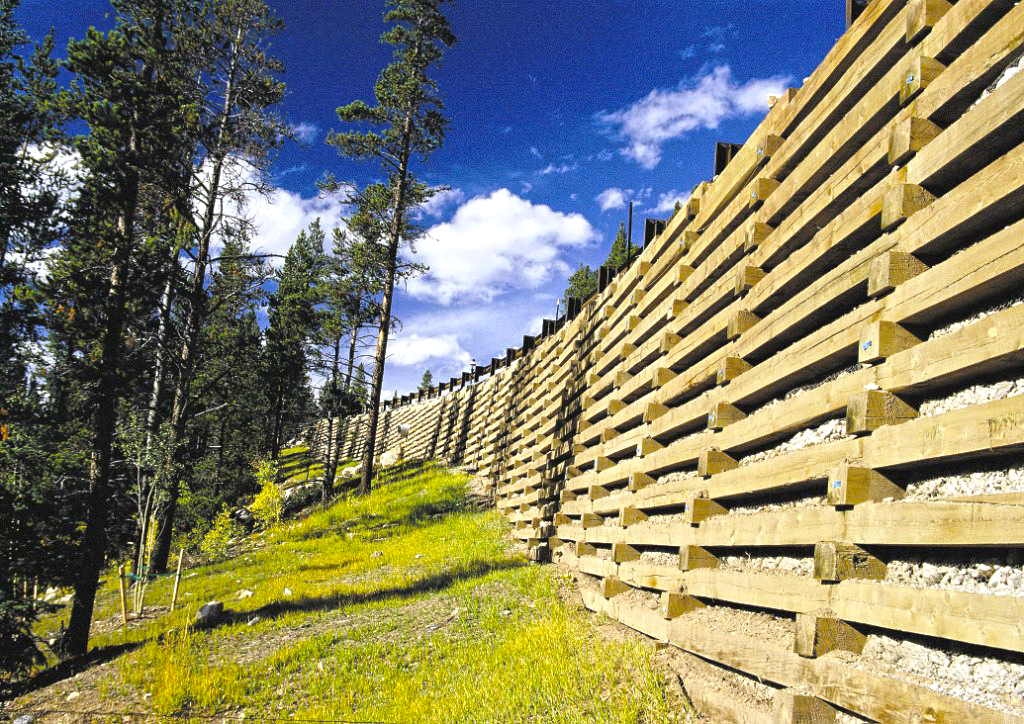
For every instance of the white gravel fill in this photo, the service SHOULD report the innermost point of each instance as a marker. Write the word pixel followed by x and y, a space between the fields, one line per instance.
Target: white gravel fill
pixel 828 431
pixel 974 317
pixel 973 483
pixel 809 502
pixel 980 680
pixel 988 577
pixel 770 564
pixel 973 395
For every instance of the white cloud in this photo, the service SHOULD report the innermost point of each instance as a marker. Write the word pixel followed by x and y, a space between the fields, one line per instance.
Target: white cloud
pixel 526 188
pixel 667 201
pixel 702 102
pixel 414 350
pixel 494 244
pixel 305 132
pixel 436 205
pixel 612 198
pixel 535 152
pixel 280 216
pixel 560 168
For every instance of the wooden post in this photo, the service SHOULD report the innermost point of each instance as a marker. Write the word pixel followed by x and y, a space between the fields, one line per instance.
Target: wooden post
pixel 817 635
pixel 177 580
pixel 124 600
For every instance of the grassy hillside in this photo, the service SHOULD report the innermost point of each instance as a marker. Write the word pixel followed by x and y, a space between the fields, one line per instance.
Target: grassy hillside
pixel 406 605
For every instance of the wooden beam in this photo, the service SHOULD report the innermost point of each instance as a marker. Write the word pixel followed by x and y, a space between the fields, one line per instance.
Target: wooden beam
pixel 674 604
pixel 902 202
pixel 871 409
pixel 791 707
pixel 922 15
pixel 693 557
pixel 712 462
pixel 623 553
pixel 910 136
pixel 699 508
pixel 755 235
pixel 890 270
pixel 730 368
pixel 921 71
pixel 631 516
pixel 837 561
pixel 611 587
pixel 882 340
pixel 818 634
pixel 724 414
pixel 850 485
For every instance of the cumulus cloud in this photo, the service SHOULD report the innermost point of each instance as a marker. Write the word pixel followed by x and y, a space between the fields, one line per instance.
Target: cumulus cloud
pixel 494 244
pixel 616 198
pixel 701 102
pixel 613 198
pixel 667 201
pixel 279 217
pixel 439 202
pixel 414 350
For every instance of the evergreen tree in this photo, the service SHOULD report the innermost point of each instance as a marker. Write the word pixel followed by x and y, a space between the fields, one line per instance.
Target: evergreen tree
pixel 293 322
pixel 410 123
pixel 236 134
pixel 618 256
pixel 427 382
pixel 133 88
pixel 582 284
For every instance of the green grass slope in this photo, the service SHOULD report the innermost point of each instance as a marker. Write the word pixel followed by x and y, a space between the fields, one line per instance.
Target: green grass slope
pixel 403 606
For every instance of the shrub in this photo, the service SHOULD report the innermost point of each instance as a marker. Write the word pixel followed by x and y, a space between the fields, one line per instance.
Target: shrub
pixel 18 652
pixel 269 502
pixel 222 532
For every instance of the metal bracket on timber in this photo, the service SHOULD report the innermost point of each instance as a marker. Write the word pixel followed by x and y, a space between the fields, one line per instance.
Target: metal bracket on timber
pixel 674 604
pixel 631 516
pixel 922 16
pixel 754 235
pixel 850 485
pixel 699 508
pixel 763 187
pixel 908 137
pixel 890 270
pixel 730 368
pixel 817 635
pixel 624 553
pixel 740 321
pixel 746 278
pixel 871 409
pixel 835 561
pixel 724 414
pixel 882 340
pixel 639 481
pixel 693 557
pixel 712 462
pixel 918 76
pixel 611 587
pixel 605 274
pixel 792 708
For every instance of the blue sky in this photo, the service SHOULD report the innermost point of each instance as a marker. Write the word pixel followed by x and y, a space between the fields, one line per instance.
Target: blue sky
pixel 560 113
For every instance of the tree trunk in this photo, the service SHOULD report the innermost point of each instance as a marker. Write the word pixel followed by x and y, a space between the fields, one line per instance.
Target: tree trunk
pixel 194 322
pixel 331 466
pixel 94 544
pixel 385 311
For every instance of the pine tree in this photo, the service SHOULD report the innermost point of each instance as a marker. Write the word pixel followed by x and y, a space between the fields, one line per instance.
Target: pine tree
pixel 134 89
pixel 239 86
pixel 427 382
pixel 409 117
pixel 582 284
pixel 618 256
pixel 293 322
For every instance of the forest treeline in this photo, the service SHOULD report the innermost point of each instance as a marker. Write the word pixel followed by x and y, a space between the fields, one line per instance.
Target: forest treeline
pixel 150 355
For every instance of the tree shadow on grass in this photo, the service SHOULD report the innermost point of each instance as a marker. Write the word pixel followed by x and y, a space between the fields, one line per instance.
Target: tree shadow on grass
pixel 66 669
pixel 428 584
